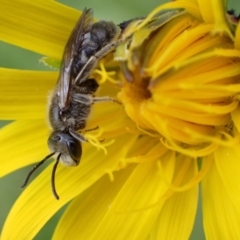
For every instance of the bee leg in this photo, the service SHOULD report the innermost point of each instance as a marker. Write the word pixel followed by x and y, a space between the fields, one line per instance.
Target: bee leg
pixel 77 135
pixel 83 98
pixel 89 86
pixel 105 99
pixel 91 129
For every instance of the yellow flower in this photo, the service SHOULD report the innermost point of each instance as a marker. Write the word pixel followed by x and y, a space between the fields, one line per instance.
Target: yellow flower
pixel 178 127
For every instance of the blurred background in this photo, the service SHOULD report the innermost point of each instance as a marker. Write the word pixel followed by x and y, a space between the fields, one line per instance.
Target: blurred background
pixel 14 57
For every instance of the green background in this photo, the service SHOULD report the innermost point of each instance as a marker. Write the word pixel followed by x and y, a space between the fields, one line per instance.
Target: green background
pixel 14 57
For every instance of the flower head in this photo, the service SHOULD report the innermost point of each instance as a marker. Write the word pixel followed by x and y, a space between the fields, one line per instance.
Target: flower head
pixel 178 126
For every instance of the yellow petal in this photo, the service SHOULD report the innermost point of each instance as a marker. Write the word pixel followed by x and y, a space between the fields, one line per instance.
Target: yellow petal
pixel 237 37
pixel 23 94
pixel 207 9
pixel 221 217
pixel 136 206
pixel 214 12
pixel 37 201
pixel 228 167
pixel 87 211
pixel 236 118
pixel 191 6
pixel 22 143
pixel 178 213
pixel 39 26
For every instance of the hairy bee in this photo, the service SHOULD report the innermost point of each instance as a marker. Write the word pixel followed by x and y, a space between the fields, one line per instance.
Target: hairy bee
pixel 73 95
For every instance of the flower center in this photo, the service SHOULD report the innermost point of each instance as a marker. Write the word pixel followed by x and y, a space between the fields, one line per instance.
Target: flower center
pixel 181 83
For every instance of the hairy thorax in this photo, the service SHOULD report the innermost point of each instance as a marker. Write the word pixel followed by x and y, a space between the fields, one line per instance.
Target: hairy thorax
pixel 74 117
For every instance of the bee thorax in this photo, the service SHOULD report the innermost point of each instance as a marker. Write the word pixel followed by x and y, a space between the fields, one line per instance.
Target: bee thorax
pixel 73 117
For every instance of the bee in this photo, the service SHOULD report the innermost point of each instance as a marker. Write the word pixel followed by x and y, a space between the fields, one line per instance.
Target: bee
pixel 73 96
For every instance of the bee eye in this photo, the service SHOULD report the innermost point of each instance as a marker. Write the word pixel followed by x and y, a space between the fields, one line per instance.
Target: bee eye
pixel 75 150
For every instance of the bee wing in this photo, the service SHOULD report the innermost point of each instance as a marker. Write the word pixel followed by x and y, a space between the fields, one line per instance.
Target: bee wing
pixel 73 44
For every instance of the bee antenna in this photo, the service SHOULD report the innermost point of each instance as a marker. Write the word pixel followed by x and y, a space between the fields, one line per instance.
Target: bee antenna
pixel 53 177
pixel 34 168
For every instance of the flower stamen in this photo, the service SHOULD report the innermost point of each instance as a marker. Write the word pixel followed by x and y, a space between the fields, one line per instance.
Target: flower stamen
pixel 104 74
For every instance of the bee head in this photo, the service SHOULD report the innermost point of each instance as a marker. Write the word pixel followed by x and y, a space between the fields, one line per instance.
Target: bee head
pixel 69 147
